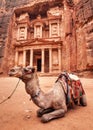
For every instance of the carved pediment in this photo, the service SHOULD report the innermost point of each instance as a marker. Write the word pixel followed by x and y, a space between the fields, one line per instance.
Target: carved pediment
pixel 37 41
pixel 23 17
pixel 54 12
pixel 37 21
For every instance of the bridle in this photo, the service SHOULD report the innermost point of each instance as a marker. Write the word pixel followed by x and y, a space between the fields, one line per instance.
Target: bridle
pixel 24 73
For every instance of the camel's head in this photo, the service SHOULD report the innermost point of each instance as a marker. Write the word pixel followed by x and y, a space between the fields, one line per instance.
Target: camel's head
pixel 25 73
pixel 15 72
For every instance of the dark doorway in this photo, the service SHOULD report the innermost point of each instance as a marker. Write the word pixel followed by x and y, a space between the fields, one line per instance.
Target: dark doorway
pixel 46 60
pixel 39 65
pixel 27 57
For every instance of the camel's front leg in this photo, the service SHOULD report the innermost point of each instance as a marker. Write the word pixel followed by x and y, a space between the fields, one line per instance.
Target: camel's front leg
pixel 53 115
pixel 41 111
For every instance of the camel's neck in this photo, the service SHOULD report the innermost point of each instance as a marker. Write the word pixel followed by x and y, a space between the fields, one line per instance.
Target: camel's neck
pixel 32 86
pixel 37 95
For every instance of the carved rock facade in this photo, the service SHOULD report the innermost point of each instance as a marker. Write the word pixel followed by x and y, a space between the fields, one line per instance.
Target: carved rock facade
pixel 51 35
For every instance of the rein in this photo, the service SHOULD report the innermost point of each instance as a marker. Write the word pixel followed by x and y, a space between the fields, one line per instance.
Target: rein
pixel 10 94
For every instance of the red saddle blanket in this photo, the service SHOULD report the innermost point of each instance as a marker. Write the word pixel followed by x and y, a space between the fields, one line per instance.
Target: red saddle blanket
pixel 72 87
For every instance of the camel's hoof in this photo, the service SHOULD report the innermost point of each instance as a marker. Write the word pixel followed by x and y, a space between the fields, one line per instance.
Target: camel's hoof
pixel 44 119
pixel 83 100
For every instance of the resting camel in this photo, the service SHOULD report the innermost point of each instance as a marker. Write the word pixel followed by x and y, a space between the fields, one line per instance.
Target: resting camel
pixel 53 104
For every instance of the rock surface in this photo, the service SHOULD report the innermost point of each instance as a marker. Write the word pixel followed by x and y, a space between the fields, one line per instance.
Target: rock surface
pixel 77 33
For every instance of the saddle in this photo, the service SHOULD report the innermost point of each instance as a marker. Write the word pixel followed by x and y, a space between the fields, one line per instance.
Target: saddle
pixel 72 86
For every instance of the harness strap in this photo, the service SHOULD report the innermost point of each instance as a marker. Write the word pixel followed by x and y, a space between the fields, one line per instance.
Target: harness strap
pixel 66 94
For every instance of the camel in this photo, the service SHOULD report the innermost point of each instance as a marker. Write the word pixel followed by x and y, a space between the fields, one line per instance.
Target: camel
pixel 52 104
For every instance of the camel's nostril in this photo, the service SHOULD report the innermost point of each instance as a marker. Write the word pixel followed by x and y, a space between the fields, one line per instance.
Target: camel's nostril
pixel 9 74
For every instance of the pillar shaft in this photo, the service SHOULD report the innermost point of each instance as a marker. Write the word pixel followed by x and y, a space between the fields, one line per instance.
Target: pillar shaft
pixel 50 60
pixel 42 61
pixel 31 57
pixel 59 58
pixel 24 58
pixel 16 58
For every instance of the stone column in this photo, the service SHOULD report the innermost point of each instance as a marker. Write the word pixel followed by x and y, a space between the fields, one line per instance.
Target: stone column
pixel 31 57
pixel 41 31
pixel 16 58
pixel 42 61
pixel 58 28
pixel 50 60
pixel 25 33
pixel 34 31
pixel 49 29
pixel 59 58
pixel 18 33
pixel 24 58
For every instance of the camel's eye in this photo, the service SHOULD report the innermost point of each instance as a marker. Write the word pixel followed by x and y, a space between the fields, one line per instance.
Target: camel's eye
pixel 12 70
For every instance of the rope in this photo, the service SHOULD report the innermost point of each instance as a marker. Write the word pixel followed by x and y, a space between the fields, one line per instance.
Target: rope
pixel 11 93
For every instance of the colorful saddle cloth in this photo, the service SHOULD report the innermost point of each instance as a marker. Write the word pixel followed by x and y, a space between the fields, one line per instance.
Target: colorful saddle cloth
pixel 72 86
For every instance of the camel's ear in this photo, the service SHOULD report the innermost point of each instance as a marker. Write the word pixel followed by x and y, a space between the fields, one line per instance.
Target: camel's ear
pixel 29 69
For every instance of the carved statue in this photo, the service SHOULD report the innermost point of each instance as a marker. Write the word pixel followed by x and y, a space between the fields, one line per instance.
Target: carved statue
pixel 70 2
pixel 53 104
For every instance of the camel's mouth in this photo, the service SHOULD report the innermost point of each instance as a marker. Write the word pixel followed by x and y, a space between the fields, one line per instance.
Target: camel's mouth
pixel 10 74
pixel 14 75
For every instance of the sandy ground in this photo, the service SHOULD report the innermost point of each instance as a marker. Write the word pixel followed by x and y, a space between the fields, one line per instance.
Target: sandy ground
pixel 19 113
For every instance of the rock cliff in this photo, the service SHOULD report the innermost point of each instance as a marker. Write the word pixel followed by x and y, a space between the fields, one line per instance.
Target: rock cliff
pixel 78 39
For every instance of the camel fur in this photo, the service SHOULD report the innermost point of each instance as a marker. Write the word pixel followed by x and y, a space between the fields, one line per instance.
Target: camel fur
pixel 52 104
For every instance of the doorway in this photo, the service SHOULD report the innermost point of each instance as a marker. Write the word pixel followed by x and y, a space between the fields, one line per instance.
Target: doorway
pixel 27 57
pixel 46 60
pixel 39 65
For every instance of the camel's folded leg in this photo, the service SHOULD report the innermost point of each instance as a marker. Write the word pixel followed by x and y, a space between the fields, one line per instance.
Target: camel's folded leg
pixel 53 115
pixel 83 100
pixel 41 111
